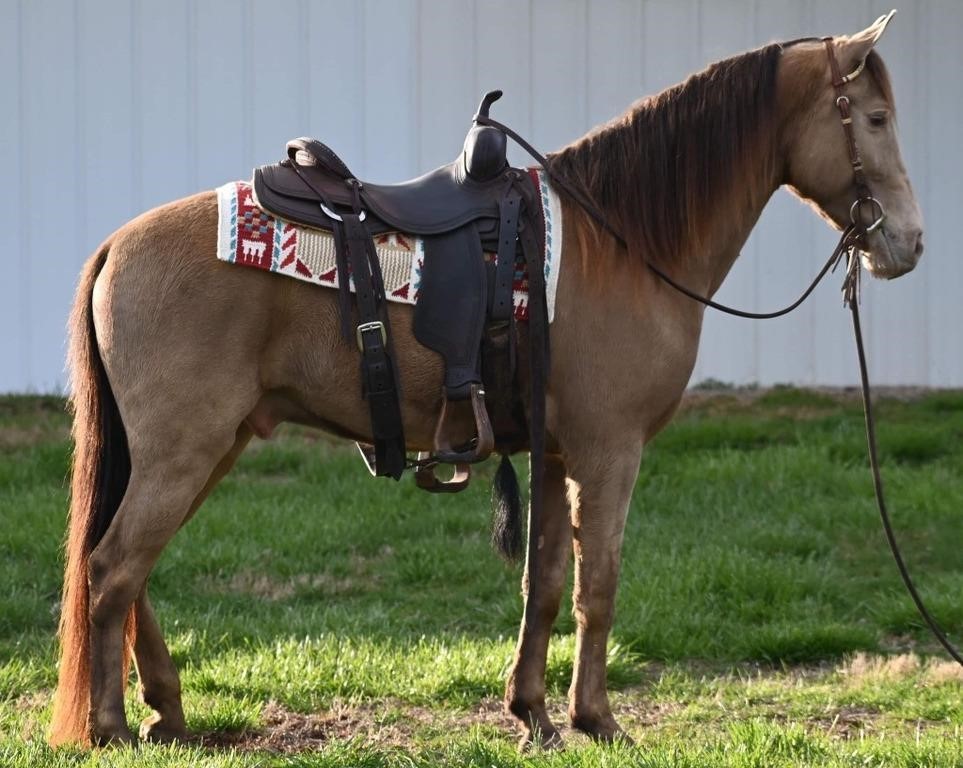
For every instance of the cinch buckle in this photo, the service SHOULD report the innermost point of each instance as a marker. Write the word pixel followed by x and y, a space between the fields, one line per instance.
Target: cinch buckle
pixel 375 325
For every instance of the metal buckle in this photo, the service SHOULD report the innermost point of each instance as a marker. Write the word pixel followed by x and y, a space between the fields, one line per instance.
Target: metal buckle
pixel 332 215
pixel 375 325
pixel 856 207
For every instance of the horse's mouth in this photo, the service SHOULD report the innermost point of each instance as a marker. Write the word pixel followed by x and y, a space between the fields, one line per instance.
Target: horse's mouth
pixel 887 261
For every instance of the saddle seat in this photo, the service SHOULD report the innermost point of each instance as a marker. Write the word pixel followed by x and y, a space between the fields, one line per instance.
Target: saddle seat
pixel 466 190
pixel 439 201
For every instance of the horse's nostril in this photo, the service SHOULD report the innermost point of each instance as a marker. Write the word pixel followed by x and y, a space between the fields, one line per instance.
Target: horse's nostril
pixel 918 250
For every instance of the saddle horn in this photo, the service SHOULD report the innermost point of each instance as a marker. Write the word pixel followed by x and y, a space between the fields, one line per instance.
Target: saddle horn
pixel 486 148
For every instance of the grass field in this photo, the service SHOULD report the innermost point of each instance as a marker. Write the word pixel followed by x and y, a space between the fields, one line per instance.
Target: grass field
pixel 323 618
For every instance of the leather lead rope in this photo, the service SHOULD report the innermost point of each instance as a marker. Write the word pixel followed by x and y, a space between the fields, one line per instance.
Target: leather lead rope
pixel 586 204
pixel 853 302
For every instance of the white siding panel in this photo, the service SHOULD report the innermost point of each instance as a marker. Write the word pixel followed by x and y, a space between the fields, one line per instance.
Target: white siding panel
pixel 672 42
pixel 615 60
pixel 943 182
pixel 389 90
pixel 14 284
pixel 336 79
pixel 447 94
pixel 163 101
pixel 106 121
pixel 146 102
pixel 504 61
pixel 278 98
pixel 52 117
pixel 559 101
pixel 223 107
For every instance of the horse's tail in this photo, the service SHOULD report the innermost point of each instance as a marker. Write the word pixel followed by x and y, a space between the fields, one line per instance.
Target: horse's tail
pixel 99 477
pixel 507 512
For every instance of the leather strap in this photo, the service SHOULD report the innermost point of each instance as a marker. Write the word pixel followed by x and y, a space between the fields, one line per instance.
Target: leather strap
pixel 501 306
pixel 378 375
pixel 842 104
pixel 538 367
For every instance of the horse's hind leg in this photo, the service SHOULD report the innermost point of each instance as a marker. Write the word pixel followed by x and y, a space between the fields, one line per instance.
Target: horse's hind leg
pixel 525 692
pixel 160 686
pixel 167 475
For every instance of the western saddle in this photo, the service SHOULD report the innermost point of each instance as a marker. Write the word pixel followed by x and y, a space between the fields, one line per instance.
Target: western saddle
pixel 475 205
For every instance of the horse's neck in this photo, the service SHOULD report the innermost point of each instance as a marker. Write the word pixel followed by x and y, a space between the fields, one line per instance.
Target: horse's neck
pixel 710 263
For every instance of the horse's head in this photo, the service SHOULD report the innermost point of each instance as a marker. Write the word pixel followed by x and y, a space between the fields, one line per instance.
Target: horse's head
pixel 818 157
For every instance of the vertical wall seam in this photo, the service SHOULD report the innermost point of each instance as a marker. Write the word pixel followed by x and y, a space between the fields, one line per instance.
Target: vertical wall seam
pixel 362 46
pixel 25 335
pixel 247 79
pixel 531 70
pixel 304 45
pixel 191 129
pixel 641 63
pixel 136 108
pixel 921 86
pixel 80 141
pixel 756 259
pixel 416 93
pixel 586 67
pixel 474 50
pixel 810 312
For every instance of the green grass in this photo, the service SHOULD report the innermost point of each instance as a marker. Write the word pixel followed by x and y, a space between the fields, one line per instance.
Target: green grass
pixel 321 618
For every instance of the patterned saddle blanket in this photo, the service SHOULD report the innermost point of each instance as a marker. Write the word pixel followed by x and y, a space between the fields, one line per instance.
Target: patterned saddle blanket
pixel 251 237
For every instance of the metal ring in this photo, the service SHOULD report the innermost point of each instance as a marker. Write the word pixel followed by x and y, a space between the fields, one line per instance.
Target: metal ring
pixel 856 207
pixel 332 215
pixel 842 98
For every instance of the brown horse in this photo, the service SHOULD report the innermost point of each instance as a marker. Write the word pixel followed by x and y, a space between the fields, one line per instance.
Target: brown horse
pixel 179 359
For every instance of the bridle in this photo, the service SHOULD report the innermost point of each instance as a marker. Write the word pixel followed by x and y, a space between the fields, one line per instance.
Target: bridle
pixel 866 216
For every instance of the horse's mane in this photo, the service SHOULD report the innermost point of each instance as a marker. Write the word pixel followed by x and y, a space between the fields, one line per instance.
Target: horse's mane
pixel 659 169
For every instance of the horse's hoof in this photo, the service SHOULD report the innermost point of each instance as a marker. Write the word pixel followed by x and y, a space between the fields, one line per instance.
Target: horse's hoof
pixel 156 730
pixel 603 730
pixel 119 736
pixel 533 741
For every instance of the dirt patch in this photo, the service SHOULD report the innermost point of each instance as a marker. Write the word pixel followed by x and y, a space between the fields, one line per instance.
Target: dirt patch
pixel 386 724
pixel 863 667
pixel 273 588
pixel 397 724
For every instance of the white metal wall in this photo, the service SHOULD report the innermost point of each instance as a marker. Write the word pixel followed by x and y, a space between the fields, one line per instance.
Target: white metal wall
pixel 111 107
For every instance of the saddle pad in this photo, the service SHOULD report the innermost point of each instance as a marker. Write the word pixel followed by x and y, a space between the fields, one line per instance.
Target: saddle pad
pixel 251 237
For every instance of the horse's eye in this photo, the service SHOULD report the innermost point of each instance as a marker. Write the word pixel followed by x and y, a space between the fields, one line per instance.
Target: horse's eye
pixel 878 119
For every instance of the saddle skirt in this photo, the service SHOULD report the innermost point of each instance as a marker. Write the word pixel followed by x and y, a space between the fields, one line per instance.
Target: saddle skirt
pixel 252 237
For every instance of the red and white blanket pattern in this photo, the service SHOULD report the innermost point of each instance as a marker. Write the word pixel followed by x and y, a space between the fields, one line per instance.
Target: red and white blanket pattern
pixel 252 237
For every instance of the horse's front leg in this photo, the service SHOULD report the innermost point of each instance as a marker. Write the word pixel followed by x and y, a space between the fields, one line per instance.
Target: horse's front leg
pixel 601 483
pixel 525 693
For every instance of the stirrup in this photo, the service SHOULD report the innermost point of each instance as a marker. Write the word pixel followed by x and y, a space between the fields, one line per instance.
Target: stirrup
pixel 480 447
pixel 427 480
pixel 367 452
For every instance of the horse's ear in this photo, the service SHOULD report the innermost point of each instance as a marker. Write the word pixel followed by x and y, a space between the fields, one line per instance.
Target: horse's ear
pixel 854 50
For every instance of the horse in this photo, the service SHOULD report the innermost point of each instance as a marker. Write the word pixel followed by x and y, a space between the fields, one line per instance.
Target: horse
pixel 178 360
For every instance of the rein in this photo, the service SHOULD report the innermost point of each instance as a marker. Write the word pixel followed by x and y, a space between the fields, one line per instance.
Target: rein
pixel 846 248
